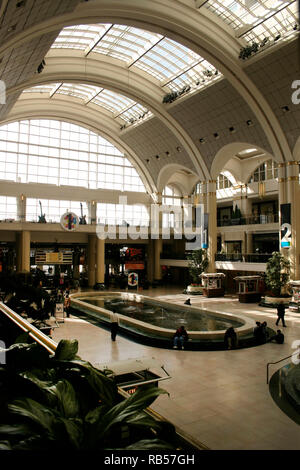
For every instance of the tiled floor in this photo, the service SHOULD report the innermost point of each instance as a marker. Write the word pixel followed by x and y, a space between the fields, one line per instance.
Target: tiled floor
pixel 220 398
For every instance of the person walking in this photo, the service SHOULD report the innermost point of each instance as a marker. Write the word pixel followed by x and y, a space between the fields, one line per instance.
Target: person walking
pixel 114 325
pixel 280 314
pixel 230 338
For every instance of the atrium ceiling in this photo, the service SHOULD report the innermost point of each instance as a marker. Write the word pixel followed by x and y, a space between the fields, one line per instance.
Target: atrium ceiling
pixel 162 80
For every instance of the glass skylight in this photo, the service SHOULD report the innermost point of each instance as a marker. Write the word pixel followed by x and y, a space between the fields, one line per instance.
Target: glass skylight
pixel 171 63
pixel 120 106
pixel 254 20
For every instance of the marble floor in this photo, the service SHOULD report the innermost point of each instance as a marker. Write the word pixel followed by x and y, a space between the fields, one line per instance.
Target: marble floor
pixel 220 398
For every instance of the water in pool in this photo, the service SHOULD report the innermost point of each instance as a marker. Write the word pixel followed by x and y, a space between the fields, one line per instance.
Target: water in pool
pixel 169 318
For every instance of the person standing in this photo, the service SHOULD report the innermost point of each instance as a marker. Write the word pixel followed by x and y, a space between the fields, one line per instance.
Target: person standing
pixel 114 325
pixel 280 314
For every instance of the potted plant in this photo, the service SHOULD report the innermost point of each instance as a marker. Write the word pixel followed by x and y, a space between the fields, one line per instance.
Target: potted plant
pixel 198 263
pixel 277 278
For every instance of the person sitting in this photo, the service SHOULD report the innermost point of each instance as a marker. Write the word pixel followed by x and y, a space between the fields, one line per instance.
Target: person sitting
pixel 187 302
pixel 230 338
pixel 264 332
pixel 279 337
pixel 258 333
pixel 180 337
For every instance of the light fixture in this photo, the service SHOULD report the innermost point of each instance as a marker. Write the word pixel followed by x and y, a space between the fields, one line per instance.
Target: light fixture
pixel 249 122
pixel 147 160
pixel 201 140
pixel 167 153
pixel 178 149
pixel 157 157
pixel 232 129
pixel 216 135
pixel 285 109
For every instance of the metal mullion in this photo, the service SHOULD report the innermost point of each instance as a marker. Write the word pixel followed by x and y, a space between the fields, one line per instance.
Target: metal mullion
pixel 87 52
pixel 145 52
pixel 266 18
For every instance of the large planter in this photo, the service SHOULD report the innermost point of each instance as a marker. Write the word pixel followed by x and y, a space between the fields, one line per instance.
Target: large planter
pixel 268 300
pixel 194 290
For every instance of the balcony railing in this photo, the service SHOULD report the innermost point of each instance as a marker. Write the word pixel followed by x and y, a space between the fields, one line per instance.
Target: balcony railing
pixel 244 257
pixel 249 220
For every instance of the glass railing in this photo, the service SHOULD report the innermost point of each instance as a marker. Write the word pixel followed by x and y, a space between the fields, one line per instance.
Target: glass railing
pixel 249 220
pixel 244 257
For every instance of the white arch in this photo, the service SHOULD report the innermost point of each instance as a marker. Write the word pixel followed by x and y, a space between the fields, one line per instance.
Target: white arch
pixel 182 22
pixel 110 75
pixel 227 152
pixel 296 151
pixel 72 112
pixel 178 175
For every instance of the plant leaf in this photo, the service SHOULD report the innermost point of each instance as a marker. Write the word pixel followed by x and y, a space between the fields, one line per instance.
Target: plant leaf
pixel 74 431
pixel 66 350
pixel 35 412
pixel 137 402
pixel 149 444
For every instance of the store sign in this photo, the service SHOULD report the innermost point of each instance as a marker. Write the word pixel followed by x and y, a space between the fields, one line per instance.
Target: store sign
pixel 133 279
pixel 69 221
pixel 134 266
pixel 285 226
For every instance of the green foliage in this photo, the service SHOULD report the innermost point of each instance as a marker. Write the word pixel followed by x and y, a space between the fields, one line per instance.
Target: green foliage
pixel 277 273
pixel 63 403
pixel 198 263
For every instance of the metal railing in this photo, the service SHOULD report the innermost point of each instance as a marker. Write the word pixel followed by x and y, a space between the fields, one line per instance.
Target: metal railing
pixel 244 257
pixel 277 362
pixel 249 220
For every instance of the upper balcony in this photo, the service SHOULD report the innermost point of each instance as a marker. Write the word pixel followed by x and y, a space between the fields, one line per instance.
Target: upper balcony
pixel 249 220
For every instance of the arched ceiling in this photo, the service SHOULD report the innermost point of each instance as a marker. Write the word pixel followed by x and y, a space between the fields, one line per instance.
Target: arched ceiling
pixel 144 65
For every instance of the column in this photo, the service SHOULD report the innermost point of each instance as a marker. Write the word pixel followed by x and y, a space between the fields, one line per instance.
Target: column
pixel 150 264
pixel 249 242
pixel 91 259
pixel 92 212
pixel 23 251
pixel 212 224
pixel 76 262
pixel 293 194
pixel 157 252
pixel 21 208
pixel 100 261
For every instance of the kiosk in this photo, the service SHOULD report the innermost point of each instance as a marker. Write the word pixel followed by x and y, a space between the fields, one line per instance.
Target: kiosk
pixel 212 284
pixel 248 288
pixel 294 304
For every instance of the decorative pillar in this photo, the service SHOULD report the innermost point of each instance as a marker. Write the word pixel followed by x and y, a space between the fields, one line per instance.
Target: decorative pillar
pixel 21 208
pixel 92 212
pixel 100 261
pixel 157 252
pixel 23 251
pixel 293 194
pixel 212 224
pixel 249 242
pixel 91 259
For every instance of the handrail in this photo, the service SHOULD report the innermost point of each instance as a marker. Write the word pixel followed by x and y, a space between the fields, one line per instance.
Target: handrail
pixel 34 332
pixel 51 346
pixel 269 363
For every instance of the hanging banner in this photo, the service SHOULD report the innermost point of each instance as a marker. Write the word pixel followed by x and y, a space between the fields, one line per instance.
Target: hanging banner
pixel 285 226
pixel 205 231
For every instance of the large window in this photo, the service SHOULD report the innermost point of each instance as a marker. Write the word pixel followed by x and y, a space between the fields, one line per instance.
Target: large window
pixel 8 208
pixel 122 214
pixel 53 209
pixel 171 197
pixel 266 171
pixel 60 153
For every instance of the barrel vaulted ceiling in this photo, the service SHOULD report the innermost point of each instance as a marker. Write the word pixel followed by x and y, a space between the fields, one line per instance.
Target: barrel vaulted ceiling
pixel 110 63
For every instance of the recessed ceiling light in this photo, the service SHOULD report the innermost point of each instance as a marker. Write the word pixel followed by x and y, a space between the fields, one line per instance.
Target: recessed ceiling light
pixel 249 122
pixel 232 129
pixel 285 109
pixel 216 135
pixel 202 140
pixel 157 157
